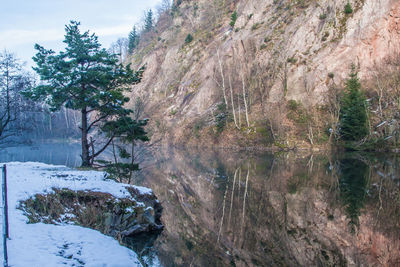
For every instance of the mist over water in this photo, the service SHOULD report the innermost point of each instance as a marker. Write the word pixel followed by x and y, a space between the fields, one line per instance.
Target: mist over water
pixel 67 154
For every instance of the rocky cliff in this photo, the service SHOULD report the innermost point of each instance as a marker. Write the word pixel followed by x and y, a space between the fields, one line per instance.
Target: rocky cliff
pixel 263 79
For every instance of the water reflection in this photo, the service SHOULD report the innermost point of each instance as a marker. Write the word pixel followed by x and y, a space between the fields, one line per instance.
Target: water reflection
pixel 57 153
pixel 67 154
pixel 143 245
pixel 241 209
pixel 237 209
pixel 353 188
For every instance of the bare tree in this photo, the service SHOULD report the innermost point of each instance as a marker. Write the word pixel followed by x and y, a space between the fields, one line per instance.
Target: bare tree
pixel 11 81
pixel 239 110
pixel 222 77
pixel 163 7
pixel 120 47
pixel 244 99
pixel 138 108
pixel 385 89
pixel 244 72
pixel 232 102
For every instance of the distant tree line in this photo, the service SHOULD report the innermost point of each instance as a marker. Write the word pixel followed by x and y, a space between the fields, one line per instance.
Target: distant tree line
pixel 127 45
pixel 22 119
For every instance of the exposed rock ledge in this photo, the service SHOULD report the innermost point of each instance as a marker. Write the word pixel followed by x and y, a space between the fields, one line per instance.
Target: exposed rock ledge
pixel 117 217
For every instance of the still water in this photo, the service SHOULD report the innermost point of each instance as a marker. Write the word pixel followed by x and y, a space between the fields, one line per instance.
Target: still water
pixel 67 154
pixel 240 209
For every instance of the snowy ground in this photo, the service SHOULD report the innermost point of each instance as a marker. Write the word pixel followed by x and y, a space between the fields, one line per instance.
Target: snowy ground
pixel 60 245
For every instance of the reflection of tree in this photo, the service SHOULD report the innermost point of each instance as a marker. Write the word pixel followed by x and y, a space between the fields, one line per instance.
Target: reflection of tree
pixel 213 219
pixel 353 183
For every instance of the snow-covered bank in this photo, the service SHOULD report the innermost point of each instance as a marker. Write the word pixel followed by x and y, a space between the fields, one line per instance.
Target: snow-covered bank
pixel 54 245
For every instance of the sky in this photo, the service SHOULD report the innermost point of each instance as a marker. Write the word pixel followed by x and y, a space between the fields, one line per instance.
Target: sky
pixel 26 22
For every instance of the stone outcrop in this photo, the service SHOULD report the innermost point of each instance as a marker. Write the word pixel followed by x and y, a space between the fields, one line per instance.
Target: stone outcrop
pixel 117 217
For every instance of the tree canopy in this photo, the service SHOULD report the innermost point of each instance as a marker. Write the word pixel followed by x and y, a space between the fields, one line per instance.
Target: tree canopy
pixel 87 78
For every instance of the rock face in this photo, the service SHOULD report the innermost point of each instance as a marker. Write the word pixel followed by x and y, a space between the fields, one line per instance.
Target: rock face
pixel 276 51
pixel 100 211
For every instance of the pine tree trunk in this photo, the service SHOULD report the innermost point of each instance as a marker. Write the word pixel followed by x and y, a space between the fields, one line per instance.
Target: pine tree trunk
pixel 85 145
pixel 132 160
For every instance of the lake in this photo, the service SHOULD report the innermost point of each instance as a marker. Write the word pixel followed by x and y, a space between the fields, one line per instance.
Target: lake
pixel 67 154
pixel 243 209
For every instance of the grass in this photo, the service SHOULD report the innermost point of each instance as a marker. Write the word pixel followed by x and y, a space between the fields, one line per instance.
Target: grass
pixel 292 60
pixel 173 112
pixel 293 105
pixel 197 128
pixel 89 209
pixel 297 113
pixel 255 26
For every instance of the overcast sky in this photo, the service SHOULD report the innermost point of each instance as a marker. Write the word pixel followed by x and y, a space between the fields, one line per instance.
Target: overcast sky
pixel 26 22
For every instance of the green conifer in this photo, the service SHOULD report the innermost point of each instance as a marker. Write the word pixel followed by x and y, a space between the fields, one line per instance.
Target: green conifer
pixel 348 9
pixel 353 113
pixel 233 19
pixel 87 78
pixel 148 22
pixel 133 40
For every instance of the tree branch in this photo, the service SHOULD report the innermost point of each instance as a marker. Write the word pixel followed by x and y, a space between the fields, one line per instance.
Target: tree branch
pixel 96 121
pixel 103 148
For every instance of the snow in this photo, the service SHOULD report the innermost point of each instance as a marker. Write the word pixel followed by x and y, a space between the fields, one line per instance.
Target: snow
pixel 143 190
pixel 60 245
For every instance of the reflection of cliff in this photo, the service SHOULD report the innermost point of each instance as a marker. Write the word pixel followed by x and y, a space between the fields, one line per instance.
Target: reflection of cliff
pixel 242 210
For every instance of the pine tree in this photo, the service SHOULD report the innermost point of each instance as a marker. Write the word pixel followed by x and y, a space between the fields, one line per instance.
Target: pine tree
pixel 233 19
pixel 87 78
pixel 148 21
pixel 133 40
pixel 348 9
pixel 189 38
pixel 353 114
pixel 127 131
